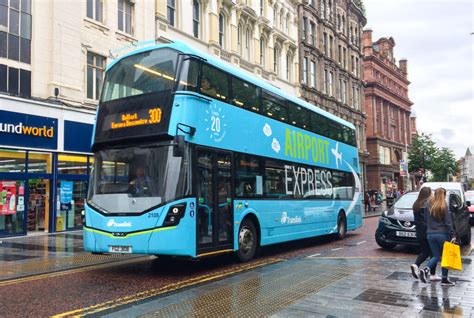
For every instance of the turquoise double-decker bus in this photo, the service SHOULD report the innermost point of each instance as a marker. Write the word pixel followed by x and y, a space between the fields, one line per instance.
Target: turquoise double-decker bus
pixel 193 157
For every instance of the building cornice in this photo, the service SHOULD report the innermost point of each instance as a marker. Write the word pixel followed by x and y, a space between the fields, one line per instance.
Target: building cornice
pixel 379 62
pixel 376 89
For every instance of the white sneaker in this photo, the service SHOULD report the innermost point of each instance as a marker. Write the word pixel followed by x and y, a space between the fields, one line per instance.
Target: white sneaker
pixel 435 278
pixel 414 271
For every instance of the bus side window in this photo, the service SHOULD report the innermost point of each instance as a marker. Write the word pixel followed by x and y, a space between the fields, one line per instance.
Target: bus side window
pixel 188 79
pixel 299 116
pixel 245 95
pixel 274 108
pixel 214 83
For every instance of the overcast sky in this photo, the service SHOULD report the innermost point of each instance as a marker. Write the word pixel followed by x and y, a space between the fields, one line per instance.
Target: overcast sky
pixel 435 37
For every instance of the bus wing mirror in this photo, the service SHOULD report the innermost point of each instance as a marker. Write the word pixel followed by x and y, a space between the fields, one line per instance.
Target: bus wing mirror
pixel 178 146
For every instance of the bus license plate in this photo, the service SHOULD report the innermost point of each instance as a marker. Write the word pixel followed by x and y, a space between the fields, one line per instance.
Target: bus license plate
pixel 406 234
pixel 120 249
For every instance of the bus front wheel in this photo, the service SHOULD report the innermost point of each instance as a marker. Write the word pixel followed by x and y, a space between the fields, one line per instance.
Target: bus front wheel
pixel 247 241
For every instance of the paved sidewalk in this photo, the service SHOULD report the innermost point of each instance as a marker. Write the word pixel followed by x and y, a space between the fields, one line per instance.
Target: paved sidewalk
pixel 31 255
pixel 318 287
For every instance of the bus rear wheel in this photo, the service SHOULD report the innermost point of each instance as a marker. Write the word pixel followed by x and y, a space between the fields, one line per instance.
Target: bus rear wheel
pixel 341 226
pixel 247 241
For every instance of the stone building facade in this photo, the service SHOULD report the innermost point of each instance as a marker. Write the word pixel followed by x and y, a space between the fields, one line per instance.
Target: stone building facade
pixel 53 56
pixel 330 61
pixel 388 109
pixel 257 36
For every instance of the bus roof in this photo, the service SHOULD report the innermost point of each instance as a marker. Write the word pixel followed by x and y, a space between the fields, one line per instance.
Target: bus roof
pixel 186 49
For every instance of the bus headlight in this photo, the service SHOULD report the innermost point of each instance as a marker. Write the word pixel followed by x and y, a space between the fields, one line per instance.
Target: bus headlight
pixel 175 214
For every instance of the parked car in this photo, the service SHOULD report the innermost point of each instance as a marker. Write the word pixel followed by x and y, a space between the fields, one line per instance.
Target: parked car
pixel 470 198
pixel 396 225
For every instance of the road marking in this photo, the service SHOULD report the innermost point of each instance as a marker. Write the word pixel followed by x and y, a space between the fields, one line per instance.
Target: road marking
pixel 158 291
pixel 70 271
pixel 362 242
pixel 337 249
pixel 314 255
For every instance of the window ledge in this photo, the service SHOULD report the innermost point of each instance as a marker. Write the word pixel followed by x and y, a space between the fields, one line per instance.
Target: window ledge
pixel 96 25
pixel 125 36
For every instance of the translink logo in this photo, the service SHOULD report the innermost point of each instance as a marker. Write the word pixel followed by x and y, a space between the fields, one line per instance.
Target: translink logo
pixel 21 129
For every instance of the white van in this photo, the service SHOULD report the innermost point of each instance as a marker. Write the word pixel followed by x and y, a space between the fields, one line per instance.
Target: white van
pixel 455 187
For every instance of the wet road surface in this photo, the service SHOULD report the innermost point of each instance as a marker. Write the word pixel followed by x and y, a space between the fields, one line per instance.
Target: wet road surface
pixel 103 287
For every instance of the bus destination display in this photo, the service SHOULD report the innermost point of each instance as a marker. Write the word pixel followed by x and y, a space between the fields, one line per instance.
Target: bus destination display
pixel 139 118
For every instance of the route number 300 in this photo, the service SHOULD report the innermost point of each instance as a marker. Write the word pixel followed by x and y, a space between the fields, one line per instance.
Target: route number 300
pixel 155 115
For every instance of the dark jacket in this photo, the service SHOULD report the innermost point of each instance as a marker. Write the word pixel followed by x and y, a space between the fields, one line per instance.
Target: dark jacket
pixel 435 226
pixel 420 222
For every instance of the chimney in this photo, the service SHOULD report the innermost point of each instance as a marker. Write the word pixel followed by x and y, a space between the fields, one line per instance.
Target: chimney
pixel 367 42
pixel 403 65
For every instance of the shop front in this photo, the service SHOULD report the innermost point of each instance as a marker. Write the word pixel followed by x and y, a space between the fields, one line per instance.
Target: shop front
pixel 44 167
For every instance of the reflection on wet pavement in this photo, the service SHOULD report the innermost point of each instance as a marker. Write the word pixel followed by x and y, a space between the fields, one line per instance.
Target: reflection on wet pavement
pixel 338 287
pixel 29 255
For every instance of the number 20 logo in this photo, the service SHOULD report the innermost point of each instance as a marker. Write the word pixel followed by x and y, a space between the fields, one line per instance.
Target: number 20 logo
pixel 216 124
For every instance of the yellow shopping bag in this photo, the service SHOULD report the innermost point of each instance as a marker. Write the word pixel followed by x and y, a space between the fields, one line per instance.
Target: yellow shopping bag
pixel 451 258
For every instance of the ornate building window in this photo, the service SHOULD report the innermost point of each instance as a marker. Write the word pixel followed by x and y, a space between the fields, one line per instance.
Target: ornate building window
pixel 196 18
pixel 305 70
pixel 289 63
pixel 331 75
pixel 304 29
pixel 312 35
pixel 325 82
pixel 276 60
pixel 221 30
pixel 170 11
pixel 247 44
pixel 94 9
pixel 313 74
pixel 125 16
pixel 262 51
pixel 95 75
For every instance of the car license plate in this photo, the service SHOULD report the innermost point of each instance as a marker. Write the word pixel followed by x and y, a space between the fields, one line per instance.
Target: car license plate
pixel 120 249
pixel 406 234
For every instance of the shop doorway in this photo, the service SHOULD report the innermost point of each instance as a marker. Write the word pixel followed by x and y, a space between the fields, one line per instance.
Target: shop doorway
pixel 70 203
pixel 38 207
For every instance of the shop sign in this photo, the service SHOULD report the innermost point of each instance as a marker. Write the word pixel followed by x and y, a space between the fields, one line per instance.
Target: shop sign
pixel 24 130
pixel 66 192
pixel 7 197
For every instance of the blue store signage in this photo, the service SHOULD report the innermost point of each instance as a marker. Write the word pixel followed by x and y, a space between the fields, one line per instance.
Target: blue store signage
pixel 77 136
pixel 23 130
pixel 66 192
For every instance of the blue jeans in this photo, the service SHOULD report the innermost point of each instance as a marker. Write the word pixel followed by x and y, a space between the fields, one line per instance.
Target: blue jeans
pixel 436 241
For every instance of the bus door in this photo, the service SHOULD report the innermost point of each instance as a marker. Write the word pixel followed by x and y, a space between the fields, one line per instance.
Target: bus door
pixel 214 213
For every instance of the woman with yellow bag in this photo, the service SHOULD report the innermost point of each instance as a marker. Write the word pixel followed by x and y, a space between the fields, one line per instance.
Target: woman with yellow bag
pixel 439 230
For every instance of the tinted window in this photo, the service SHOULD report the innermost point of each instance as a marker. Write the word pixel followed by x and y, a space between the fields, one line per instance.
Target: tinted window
pixel 189 75
pixel 25 50
pixel 245 95
pixel 25 83
pixel 274 107
pixel 248 176
pixel 275 179
pixel 13 80
pixel 214 83
pixel 319 124
pixel 147 72
pixel 13 47
pixel 299 116
pixel 3 78
pixel 342 183
pixel 3 44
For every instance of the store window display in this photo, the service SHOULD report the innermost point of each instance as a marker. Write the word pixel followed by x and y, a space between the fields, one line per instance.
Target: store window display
pixel 12 206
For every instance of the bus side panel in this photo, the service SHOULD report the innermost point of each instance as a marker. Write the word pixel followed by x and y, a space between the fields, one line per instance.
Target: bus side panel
pixel 285 220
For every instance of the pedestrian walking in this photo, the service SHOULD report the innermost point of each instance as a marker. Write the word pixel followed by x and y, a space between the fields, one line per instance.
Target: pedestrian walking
pixel 367 202
pixel 439 229
pixel 420 208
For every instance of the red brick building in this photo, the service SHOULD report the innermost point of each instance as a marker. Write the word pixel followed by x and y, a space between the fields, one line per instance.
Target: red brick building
pixel 388 110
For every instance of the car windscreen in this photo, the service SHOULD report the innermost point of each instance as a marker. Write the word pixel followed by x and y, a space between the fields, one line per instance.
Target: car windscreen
pixel 406 201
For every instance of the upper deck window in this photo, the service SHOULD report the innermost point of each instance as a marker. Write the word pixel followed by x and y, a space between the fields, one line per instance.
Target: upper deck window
pixel 147 72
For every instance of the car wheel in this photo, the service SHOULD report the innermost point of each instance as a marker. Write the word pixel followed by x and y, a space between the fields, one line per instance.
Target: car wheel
pixel 466 239
pixel 383 244
pixel 341 226
pixel 247 241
